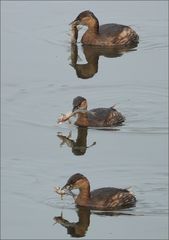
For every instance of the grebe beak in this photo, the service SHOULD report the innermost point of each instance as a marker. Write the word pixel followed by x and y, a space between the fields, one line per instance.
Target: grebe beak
pixel 66 187
pixel 75 108
pixel 75 22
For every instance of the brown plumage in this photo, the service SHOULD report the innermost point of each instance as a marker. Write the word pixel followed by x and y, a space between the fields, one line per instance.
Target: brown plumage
pixel 107 198
pixel 105 35
pixel 97 117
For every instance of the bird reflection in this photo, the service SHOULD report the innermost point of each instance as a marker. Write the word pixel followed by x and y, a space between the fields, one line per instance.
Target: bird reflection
pixel 79 228
pixel 76 229
pixel 79 145
pixel 92 54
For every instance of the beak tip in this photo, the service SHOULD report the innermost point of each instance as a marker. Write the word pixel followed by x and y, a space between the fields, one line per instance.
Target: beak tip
pixel 65 187
pixel 74 22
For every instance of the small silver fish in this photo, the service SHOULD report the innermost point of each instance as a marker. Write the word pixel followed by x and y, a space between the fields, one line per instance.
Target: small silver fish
pixel 59 191
pixel 64 117
pixel 74 34
pixel 63 192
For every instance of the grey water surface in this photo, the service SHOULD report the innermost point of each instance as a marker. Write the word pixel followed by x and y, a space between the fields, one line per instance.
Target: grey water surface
pixel 39 79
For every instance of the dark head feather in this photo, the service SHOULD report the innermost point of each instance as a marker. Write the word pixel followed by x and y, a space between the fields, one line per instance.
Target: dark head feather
pixel 84 14
pixel 74 178
pixel 77 101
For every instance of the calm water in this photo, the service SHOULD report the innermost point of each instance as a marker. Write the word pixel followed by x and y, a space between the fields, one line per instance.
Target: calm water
pixel 38 82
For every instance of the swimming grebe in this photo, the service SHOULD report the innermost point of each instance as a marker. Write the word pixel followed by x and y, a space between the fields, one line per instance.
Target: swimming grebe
pixel 103 198
pixel 105 35
pixel 98 117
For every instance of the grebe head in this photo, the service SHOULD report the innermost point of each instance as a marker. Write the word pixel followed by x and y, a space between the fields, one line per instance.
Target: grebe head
pixel 76 181
pixel 79 103
pixel 84 18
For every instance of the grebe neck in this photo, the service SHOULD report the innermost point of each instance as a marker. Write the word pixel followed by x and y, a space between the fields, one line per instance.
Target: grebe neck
pixel 82 119
pixel 93 25
pixel 84 194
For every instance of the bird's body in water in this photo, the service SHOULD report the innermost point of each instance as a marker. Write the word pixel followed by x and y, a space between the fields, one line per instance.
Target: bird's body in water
pixel 97 117
pixel 110 34
pixel 107 198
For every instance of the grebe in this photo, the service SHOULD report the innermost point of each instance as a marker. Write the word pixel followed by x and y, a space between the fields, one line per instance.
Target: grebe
pixel 105 35
pixel 103 198
pixel 97 117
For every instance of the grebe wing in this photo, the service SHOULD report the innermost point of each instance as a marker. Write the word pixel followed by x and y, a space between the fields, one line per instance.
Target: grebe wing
pixel 111 29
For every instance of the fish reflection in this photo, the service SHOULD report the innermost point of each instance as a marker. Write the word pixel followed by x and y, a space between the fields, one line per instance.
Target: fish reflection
pixel 79 145
pixel 92 54
pixel 79 228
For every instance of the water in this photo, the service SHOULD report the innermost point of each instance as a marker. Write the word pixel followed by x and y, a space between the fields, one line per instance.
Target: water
pixel 38 83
